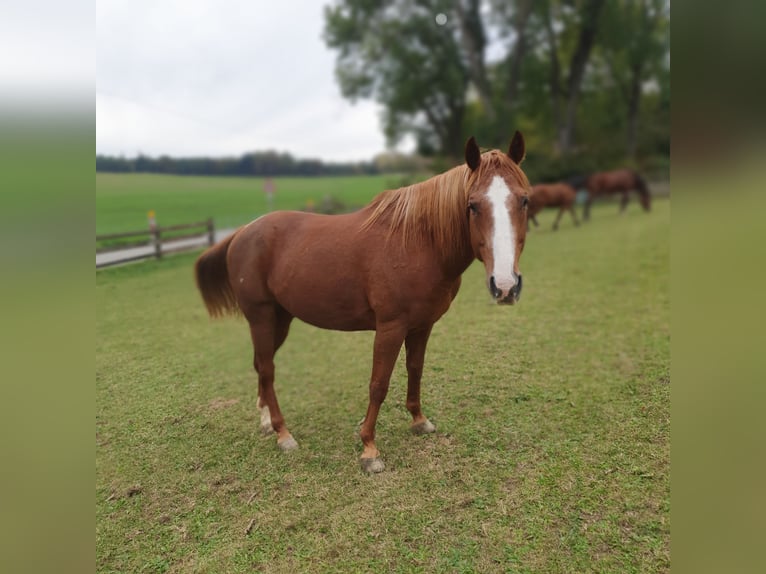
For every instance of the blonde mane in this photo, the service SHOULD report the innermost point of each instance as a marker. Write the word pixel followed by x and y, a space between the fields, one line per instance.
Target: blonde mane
pixel 432 210
pixel 435 210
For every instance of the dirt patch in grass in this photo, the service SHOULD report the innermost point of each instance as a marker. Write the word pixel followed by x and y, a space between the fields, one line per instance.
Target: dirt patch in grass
pixel 220 403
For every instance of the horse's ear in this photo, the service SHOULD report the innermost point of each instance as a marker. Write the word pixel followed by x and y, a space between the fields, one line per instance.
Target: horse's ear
pixel 517 150
pixel 472 154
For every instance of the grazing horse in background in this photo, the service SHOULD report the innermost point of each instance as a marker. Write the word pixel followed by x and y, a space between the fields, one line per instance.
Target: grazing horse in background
pixel 393 267
pixel 561 195
pixel 609 182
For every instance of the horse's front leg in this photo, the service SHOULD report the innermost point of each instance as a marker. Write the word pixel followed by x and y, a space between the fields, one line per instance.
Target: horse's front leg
pixel 624 201
pixel 415 343
pixel 388 340
pixel 588 203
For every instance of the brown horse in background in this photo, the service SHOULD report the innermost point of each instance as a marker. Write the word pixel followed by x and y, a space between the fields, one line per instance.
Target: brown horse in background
pixel 561 195
pixel 394 267
pixel 608 182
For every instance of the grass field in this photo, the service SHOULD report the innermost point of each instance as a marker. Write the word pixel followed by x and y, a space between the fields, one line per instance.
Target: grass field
pixel 123 200
pixel 552 450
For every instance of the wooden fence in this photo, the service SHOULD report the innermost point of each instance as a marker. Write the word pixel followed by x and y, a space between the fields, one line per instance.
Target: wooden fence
pixel 160 239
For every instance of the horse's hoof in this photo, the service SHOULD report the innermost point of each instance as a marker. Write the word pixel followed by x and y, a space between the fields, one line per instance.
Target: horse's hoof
pixel 288 444
pixel 372 465
pixel 424 427
pixel 267 430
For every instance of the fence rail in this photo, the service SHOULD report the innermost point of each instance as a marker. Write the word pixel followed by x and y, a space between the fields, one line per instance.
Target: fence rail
pixel 157 240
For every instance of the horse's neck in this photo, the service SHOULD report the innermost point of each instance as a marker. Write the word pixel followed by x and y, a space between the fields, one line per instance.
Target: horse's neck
pixel 456 261
pixel 456 266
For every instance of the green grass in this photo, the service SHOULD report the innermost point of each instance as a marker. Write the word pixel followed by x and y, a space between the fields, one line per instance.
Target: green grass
pixel 123 200
pixel 552 450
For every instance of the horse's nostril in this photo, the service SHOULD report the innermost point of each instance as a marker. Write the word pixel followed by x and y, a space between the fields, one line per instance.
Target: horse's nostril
pixel 496 293
pixel 517 288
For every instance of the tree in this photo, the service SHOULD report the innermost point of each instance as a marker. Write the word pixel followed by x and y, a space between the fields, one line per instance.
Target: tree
pixel 474 40
pixel 582 27
pixel 572 72
pixel 515 18
pixel 634 41
pixel 396 52
pixel 419 58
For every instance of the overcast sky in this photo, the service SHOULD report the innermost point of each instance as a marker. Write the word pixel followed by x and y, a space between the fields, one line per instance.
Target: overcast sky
pixel 189 77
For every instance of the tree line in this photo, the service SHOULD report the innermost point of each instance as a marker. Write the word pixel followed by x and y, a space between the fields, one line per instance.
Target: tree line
pixel 586 81
pixel 263 164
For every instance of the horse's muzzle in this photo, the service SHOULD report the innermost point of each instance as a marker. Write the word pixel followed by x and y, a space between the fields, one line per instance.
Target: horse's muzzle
pixel 511 297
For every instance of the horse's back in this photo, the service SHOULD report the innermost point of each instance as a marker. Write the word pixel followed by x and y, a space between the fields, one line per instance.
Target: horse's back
pixel 616 180
pixel 625 177
pixel 552 195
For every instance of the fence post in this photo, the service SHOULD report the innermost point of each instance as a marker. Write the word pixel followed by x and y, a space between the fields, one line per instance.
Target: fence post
pixel 156 237
pixel 210 232
pixel 157 242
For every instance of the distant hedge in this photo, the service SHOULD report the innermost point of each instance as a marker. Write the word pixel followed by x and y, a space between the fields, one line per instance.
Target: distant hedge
pixel 264 164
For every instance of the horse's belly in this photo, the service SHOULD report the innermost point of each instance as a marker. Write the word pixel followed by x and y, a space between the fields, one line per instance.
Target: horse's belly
pixel 327 304
pixel 339 321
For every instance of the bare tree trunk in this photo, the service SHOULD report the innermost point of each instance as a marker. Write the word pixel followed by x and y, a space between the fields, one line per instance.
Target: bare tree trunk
pixel 453 145
pixel 577 67
pixel 524 9
pixel 555 77
pixel 634 101
pixel 473 40
pixel 631 94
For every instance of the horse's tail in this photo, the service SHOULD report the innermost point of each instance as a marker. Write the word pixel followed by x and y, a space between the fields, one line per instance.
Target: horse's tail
pixel 212 277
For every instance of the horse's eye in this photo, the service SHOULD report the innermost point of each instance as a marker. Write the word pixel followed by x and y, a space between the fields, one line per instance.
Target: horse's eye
pixel 524 201
pixel 473 208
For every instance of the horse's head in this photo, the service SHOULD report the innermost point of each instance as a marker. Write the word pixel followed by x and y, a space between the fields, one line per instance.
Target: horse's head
pixel 498 193
pixel 646 201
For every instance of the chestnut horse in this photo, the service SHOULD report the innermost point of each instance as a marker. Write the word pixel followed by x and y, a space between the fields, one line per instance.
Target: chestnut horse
pixel 561 195
pixel 394 267
pixel 608 182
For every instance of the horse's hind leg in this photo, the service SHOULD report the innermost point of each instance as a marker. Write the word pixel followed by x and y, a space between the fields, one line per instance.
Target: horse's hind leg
pixel 281 328
pixel 268 329
pixel 558 218
pixel 574 215
pixel 415 343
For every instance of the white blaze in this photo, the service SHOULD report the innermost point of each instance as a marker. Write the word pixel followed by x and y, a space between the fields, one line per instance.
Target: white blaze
pixel 503 244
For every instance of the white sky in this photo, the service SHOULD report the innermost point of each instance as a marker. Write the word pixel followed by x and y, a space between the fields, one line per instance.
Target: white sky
pixel 46 53
pixel 189 77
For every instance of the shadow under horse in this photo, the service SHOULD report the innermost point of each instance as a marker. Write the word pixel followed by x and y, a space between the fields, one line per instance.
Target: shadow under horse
pixel 606 183
pixel 393 267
